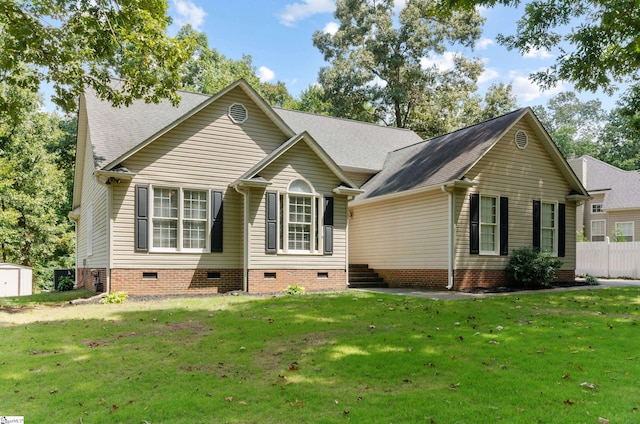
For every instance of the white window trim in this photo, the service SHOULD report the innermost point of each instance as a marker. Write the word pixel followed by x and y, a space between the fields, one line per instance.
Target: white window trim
pixel 604 233
pixel 317 215
pixel 496 241
pixel 554 252
pixel 633 228
pixel 179 243
pixel 594 204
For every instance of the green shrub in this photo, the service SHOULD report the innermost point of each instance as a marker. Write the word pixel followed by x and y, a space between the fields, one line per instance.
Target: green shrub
pixel 529 267
pixel 590 280
pixel 115 297
pixel 65 283
pixel 294 290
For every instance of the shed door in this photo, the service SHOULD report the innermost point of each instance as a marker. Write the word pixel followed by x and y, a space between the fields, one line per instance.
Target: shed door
pixel 9 282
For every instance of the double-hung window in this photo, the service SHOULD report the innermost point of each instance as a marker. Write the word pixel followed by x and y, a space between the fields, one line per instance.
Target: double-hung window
pixel 299 223
pixel 624 231
pixel 179 219
pixel 598 230
pixel 548 228
pixel 488 225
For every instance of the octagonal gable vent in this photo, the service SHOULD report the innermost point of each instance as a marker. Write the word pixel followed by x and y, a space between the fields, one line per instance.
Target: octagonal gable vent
pixel 238 113
pixel 521 139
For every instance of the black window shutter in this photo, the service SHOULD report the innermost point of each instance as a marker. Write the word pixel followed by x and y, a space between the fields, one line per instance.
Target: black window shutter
pixel 474 225
pixel 536 223
pixel 216 221
pixel 561 229
pixel 271 224
pixel 142 218
pixel 504 226
pixel 328 226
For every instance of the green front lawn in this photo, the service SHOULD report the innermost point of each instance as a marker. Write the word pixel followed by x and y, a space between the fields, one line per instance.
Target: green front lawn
pixel 559 357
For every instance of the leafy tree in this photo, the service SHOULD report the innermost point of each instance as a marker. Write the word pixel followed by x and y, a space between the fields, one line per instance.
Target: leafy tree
pixel 574 125
pixel 376 71
pixel 313 100
pixel 208 71
pixel 74 44
pixel 33 230
pixel 620 144
pixel 598 40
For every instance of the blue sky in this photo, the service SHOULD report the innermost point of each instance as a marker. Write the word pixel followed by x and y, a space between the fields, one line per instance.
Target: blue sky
pixel 277 34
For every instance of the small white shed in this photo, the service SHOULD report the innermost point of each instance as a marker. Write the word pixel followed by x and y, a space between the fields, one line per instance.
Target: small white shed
pixel 15 280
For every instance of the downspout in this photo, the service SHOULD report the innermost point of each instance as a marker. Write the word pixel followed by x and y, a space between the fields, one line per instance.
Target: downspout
pixel 109 238
pixel 450 236
pixel 245 250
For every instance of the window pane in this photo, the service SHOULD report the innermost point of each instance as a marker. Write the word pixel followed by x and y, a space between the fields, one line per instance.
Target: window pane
pixel 165 203
pixel 488 238
pixel 625 229
pixel 194 234
pixel 488 210
pixel 300 223
pixel 548 215
pixel 597 228
pixel 546 243
pixel 165 233
pixel 195 205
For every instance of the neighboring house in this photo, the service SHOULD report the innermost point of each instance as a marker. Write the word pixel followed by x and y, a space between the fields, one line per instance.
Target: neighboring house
pixel 614 210
pixel 227 193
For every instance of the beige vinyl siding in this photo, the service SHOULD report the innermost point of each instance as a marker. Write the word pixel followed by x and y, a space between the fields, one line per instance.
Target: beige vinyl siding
pixel 359 178
pixel 408 232
pixel 522 176
pixel 590 216
pixel 208 152
pixel 94 196
pixel 299 162
pixel 625 216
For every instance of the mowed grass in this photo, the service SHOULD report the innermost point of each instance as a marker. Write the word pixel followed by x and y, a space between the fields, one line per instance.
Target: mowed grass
pixel 559 357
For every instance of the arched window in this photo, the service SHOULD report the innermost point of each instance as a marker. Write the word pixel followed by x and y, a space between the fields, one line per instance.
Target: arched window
pixel 301 218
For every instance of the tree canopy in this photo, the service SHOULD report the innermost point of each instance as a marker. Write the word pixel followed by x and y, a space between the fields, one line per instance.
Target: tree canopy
pixel 74 44
pixel 377 71
pixel 598 40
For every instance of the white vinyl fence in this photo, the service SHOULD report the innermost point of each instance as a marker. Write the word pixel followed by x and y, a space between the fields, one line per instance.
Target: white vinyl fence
pixel 608 260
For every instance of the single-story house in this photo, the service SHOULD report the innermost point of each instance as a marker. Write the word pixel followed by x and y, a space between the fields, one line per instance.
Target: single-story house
pixel 614 210
pixel 227 193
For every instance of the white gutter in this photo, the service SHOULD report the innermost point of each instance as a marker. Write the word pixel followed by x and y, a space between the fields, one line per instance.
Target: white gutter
pixel 450 236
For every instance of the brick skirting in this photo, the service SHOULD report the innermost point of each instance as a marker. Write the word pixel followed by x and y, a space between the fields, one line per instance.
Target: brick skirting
pixel 175 281
pixel 462 278
pixel 277 280
pixel 415 278
pixel 86 280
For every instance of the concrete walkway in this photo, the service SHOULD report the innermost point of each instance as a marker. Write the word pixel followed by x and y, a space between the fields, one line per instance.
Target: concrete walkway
pixel 456 295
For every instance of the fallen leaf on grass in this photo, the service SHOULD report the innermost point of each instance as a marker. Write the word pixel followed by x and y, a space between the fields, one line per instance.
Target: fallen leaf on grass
pixel 52 391
pixel 229 398
pixel 569 402
pixel 603 420
pixel 588 385
pixel 114 407
pixel 566 376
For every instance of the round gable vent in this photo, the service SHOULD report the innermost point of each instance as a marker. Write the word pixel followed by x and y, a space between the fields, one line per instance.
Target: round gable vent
pixel 238 113
pixel 522 139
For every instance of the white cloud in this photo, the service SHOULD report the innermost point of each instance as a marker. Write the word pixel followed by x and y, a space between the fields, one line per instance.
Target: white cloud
pixel 537 54
pixel 265 74
pixel 527 90
pixel 482 10
pixel 331 28
pixel 484 43
pixel 189 13
pixel 487 75
pixel 297 11
pixel 443 62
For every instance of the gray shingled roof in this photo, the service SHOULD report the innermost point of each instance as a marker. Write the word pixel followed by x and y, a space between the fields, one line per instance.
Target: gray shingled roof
pixel 622 188
pixel 352 144
pixel 115 131
pixel 438 160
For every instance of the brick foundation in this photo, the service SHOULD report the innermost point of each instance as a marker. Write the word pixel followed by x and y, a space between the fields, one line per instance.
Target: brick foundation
pixel 175 281
pixel 86 280
pixel 463 279
pixel 435 279
pixel 277 280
